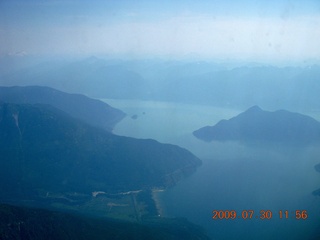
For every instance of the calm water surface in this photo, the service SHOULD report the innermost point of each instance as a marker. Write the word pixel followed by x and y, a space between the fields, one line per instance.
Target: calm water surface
pixel 234 176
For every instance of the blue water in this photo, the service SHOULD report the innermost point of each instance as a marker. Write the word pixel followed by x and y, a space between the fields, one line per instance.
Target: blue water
pixel 234 176
pixel 248 184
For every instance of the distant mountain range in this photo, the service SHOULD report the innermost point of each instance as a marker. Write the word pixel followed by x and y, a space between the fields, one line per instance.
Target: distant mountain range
pixel 235 85
pixel 89 110
pixel 43 150
pixel 258 125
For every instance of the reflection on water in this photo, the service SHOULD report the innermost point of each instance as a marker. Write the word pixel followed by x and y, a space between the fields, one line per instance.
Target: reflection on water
pixel 233 176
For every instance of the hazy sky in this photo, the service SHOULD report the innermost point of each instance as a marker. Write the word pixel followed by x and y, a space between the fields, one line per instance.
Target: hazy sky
pixel 255 30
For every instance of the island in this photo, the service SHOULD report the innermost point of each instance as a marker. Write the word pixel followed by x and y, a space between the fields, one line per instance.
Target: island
pixel 256 124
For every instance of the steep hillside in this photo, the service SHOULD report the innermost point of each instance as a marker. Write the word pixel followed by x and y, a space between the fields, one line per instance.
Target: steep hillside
pixel 18 223
pixel 258 125
pixel 43 150
pixel 92 111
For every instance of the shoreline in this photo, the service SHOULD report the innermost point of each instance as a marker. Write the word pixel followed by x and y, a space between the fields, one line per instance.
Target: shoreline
pixel 156 196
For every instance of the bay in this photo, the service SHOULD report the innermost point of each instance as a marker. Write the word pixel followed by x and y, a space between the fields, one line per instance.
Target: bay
pixel 234 176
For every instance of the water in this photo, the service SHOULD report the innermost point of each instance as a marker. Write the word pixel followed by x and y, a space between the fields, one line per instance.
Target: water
pixel 264 183
pixel 169 122
pixel 234 176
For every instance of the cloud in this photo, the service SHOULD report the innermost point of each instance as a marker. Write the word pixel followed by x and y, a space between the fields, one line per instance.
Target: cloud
pixel 258 37
pixel 18 54
pixel 203 35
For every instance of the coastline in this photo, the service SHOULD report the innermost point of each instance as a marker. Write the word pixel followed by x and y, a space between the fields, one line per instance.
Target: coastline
pixel 160 206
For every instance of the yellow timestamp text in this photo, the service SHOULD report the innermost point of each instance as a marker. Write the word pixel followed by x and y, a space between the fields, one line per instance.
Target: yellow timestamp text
pixel 261 214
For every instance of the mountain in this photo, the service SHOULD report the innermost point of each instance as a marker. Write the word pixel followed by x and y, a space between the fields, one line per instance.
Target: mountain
pixel 268 86
pixel 45 152
pixel 21 223
pixel 317 192
pixel 91 76
pixel 237 85
pixel 258 125
pixel 92 111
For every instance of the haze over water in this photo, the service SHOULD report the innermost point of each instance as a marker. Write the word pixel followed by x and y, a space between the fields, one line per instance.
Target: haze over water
pixel 234 176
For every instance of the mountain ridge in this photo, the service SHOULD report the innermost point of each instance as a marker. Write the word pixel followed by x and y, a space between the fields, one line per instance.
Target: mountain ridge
pixel 44 149
pixel 256 124
pixel 94 112
pixel 237 85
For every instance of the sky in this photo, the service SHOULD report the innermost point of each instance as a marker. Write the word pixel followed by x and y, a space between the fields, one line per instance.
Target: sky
pixel 211 29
